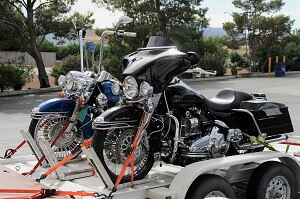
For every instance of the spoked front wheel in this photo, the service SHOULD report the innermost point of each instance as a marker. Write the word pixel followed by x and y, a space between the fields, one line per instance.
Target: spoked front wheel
pixel 113 147
pixel 49 127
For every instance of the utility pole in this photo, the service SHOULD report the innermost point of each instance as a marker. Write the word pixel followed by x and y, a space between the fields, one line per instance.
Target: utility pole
pixel 246 28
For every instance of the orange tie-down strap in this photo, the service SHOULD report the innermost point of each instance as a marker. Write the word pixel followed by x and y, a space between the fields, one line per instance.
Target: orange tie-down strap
pixel 66 159
pixel 44 157
pixel 43 193
pixel 130 158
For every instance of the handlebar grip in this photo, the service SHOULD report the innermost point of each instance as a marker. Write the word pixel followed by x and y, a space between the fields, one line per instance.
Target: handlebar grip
pixel 130 34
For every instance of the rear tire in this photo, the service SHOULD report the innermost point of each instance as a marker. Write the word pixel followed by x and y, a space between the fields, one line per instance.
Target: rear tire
pixel 99 138
pixel 271 179
pixel 210 186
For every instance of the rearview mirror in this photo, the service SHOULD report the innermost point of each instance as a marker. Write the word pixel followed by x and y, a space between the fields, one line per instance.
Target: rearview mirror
pixel 125 20
pixel 194 57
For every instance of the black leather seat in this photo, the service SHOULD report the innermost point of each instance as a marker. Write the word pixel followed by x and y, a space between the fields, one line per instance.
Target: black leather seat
pixel 227 99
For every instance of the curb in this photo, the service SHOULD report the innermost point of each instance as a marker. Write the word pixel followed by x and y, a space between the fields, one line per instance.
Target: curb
pixel 30 91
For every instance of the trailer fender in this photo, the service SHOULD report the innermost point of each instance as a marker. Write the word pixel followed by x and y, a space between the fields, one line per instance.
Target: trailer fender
pixel 185 178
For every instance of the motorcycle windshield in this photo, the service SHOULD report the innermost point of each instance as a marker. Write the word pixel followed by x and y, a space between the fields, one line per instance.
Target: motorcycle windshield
pixel 157 63
pixel 157 41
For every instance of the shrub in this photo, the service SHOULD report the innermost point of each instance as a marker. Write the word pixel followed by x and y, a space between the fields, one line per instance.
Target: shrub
pixel 234 70
pixel 214 61
pixel 64 51
pixel 14 76
pixel 69 63
pixel 235 58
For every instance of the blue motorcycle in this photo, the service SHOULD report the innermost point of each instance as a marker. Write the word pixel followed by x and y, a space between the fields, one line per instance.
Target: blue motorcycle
pixel 84 96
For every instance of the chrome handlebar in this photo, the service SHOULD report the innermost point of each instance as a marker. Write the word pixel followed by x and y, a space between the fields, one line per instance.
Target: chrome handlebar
pixel 118 33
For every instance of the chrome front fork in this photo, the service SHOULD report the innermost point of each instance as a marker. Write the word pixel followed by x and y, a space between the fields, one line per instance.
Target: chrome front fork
pixel 149 108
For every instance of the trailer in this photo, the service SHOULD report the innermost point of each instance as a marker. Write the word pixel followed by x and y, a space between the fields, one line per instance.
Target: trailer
pixel 267 174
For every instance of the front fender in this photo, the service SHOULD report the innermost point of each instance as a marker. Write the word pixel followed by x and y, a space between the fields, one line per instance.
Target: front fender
pixel 57 105
pixel 61 105
pixel 117 115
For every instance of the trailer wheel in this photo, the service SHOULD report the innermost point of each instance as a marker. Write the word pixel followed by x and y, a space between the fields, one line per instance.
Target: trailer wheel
pixel 272 180
pixel 210 186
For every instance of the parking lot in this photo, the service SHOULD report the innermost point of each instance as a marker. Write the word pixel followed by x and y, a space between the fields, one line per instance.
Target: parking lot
pixel 14 111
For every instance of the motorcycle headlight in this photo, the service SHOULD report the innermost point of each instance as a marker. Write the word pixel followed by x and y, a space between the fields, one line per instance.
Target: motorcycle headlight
pixel 131 87
pixel 101 99
pixel 61 80
pixel 115 88
pixel 69 82
pixel 146 89
pixel 81 83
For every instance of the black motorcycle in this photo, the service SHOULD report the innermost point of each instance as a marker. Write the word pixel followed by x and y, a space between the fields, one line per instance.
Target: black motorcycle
pixel 165 119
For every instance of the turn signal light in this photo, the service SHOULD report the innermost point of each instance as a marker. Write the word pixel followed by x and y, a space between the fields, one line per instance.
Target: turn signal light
pixel 80 101
pixel 61 95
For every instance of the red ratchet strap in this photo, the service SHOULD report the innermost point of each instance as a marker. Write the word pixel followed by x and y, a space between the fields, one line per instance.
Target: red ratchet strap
pixel 290 143
pixel 44 193
pixel 130 158
pixel 62 162
pixel 11 152
pixel 43 157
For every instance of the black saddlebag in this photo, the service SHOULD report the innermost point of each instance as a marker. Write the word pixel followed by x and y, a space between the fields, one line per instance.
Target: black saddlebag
pixel 272 118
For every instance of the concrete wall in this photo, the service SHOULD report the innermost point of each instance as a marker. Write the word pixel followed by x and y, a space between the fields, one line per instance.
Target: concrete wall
pixel 49 58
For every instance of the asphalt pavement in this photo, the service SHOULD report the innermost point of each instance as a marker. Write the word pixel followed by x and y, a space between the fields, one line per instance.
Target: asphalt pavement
pixel 14 111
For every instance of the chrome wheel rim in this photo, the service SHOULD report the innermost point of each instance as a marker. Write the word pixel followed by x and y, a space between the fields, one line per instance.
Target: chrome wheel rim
pixel 215 194
pixel 49 127
pixel 117 146
pixel 278 188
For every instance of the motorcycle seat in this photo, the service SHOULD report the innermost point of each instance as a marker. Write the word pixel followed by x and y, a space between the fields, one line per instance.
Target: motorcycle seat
pixel 227 99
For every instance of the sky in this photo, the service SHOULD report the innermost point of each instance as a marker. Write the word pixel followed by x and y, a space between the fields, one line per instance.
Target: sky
pixel 218 12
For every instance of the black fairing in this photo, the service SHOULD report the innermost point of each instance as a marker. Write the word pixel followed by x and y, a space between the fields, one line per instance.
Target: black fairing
pixel 121 114
pixel 156 65
pixel 182 96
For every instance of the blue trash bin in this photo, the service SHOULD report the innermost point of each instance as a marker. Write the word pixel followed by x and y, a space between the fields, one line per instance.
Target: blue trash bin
pixel 280 69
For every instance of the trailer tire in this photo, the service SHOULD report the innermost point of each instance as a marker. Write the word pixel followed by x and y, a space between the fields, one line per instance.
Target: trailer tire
pixel 210 185
pixel 273 176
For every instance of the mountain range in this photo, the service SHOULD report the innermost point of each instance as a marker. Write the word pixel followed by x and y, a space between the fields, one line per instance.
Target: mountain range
pixel 213 32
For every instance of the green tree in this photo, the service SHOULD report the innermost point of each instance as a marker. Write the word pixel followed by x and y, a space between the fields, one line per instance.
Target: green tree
pixel 291 49
pixel 32 20
pixel 233 35
pixel 261 29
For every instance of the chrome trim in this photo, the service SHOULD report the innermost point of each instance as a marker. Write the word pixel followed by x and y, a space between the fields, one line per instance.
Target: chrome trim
pixel 39 115
pixel 157 48
pixel 108 125
pixel 256 145
pixel 176 138
pixel 252 116
pixel 112 127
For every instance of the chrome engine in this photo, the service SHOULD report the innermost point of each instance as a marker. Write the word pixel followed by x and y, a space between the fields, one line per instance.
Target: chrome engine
pixel 213 145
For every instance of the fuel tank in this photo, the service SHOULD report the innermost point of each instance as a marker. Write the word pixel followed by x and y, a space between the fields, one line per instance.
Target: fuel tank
pixel 180 95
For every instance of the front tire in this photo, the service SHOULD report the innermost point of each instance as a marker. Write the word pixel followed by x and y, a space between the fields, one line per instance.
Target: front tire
pixel 272 180
pixel 210 186
pixel 111 150
pixel 49 127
